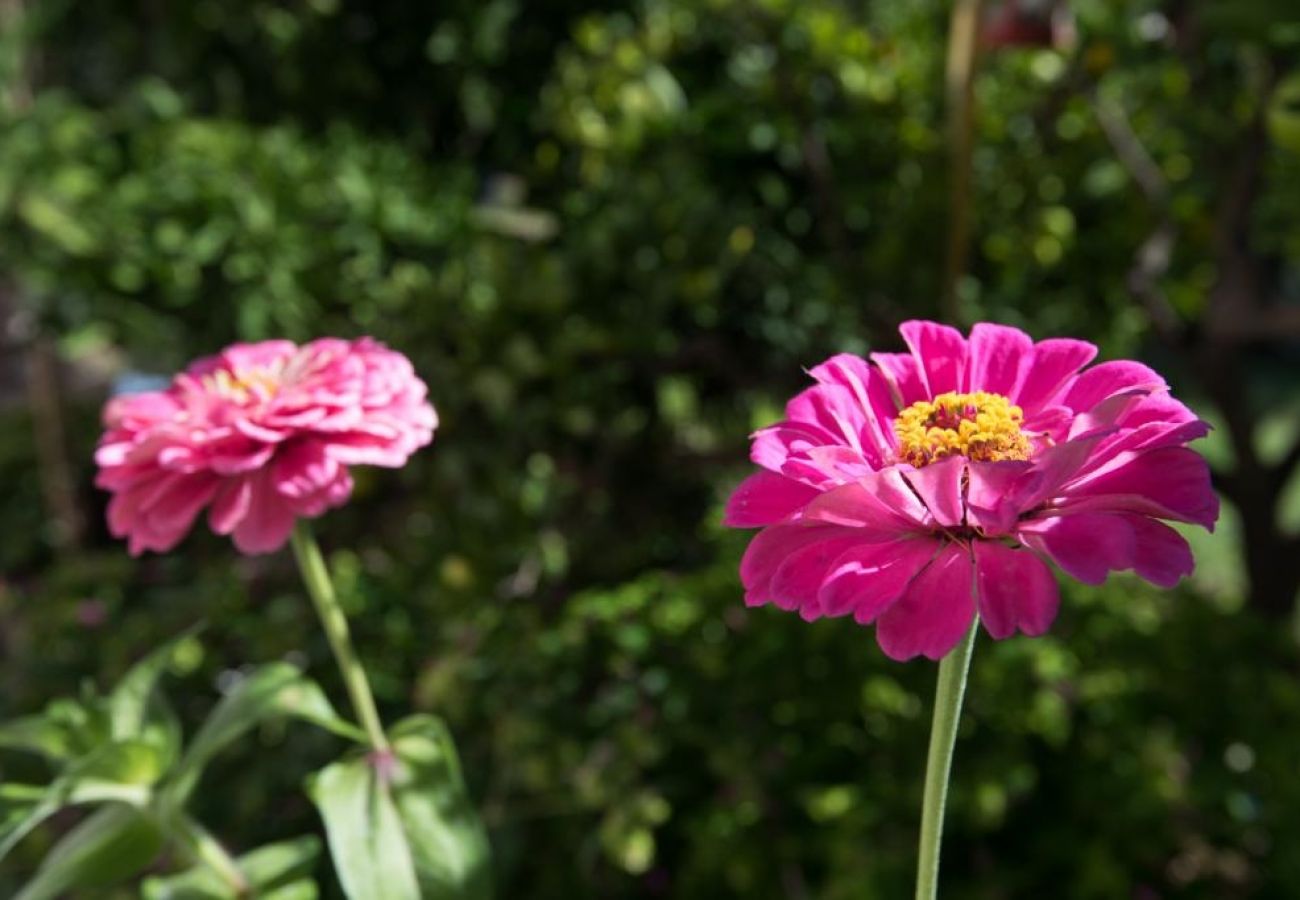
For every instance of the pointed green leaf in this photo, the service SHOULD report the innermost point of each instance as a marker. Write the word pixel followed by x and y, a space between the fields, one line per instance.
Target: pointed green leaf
pixel 110 846
pixel 65 730
pixel 36 734
pixel 120 772
pixel 280 870
pixel 128 704
pixel 446 836
pixel 365 834
pixel 84 722
pixel 135 709
pixel 272 691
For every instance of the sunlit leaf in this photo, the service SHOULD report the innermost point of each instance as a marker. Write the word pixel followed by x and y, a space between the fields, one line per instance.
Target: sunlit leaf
pixel 442 826
pixel 367 843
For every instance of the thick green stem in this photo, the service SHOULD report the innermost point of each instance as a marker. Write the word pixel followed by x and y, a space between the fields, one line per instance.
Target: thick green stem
pixel 208 850
pixel 943 736
pixel 316 576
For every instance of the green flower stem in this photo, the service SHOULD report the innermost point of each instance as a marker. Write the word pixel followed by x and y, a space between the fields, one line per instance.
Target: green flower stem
pixel 316 576
pixel 208 850
pixel 953 669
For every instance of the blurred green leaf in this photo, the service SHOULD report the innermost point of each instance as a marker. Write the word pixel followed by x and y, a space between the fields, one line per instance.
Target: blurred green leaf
pixel 281 871
pixel 271 691
pixel 137 710
pixel 118 772
pixel 447 840
pixel 371 854
pixel 36 734
pixel 113 844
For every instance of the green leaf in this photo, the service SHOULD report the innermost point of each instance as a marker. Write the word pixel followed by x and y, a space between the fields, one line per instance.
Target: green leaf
pixel 85 724
pixel 446 836
pixel 132 704
pixel 65 730
pixel 36 734
pixel 113 844
pixel 299 890
pixel 366 840
pixel 120 772
pixel 272 691
pixel 281 870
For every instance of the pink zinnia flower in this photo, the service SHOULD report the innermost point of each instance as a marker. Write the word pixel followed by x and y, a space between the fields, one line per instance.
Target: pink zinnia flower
pixel 920 488
pixel 260 435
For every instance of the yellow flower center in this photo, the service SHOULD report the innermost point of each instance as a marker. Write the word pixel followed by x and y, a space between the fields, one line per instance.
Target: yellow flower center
pixel 978 426
pixel 241 386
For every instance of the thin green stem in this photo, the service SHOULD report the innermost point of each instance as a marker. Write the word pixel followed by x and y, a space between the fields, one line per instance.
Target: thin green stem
pixel 208 850
pixel 953 669
pixel 963 57
pixel 316 576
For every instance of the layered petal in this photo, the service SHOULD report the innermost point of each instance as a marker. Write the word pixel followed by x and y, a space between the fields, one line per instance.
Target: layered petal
pixel 764 498
pixel 999 359
pixel 940 354
pixel 260 434
pixel 934 612
pixel 868 578
pixel 1016 591
pixel 914 488
pixel 1090 545
pixel 1054 365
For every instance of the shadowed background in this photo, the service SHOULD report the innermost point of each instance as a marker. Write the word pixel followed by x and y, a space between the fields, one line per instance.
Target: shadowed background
pixel 611 236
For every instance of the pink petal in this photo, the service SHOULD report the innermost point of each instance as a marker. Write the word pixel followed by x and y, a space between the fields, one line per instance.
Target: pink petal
pixel 939 487
pixel 871 392
pixel 1054 364
pixel 831 408
pixel 1052 468
pixel 837 465
pixel 1168 483
pixel 174 511
pixel 1016 591
pixel 935 611
pixel 769 549
pixel 991 499
pixel 1088 545
pixel 1158 407
pixel 881 502
pixel 1148 436
pixel 1160 554
pixel 266 526
pixel 902 375
pixel 764 498
pixel 230 505
pixel 798 579
pixel 303 469
pixel 867 579
pixel 940 352
pixel 775 445
pixel 999 357
pixel 1109 378
pixel 244 357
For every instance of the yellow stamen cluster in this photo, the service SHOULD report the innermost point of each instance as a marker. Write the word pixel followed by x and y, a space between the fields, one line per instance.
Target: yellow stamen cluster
pixel 242 386
pixel 979 426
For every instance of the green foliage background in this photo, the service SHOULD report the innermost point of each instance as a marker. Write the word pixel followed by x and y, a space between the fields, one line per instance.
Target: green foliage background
pixel 718 193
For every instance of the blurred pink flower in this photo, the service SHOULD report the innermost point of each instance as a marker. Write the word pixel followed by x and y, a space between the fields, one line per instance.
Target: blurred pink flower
pixel 259 435
pixel 920 488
